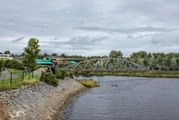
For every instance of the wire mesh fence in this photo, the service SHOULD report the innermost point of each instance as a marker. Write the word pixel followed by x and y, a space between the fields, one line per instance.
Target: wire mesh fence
pixel 19 77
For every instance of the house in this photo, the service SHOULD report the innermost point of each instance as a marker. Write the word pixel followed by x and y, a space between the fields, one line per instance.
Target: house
pixel 6 56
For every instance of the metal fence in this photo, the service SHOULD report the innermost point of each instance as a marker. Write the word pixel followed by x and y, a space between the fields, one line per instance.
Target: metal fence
pixel 19 77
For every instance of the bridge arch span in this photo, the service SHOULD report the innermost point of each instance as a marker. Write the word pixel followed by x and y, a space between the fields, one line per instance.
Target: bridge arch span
pixel 105 64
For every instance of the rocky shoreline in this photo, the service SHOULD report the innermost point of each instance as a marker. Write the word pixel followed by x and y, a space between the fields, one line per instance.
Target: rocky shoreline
pixel 39 101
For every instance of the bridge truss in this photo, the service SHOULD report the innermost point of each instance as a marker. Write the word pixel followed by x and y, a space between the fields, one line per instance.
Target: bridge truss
pixel 105 64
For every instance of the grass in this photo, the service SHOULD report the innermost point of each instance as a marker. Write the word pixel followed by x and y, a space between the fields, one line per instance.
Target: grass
pixel 13 71
pixel 88 83
pixel 30 82
pixel 21 78
pixel 17 82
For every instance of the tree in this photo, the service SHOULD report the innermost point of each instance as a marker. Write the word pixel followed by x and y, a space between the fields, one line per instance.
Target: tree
pixel 7 52
pixel 149 55
pixel 177 61
pixel 115 54
pixel 63 55
pixel 54 54
pixel 145 62
pixel 2 63
pixel 15 64
pixel 31 53
pixel 168 61
pixel 140 54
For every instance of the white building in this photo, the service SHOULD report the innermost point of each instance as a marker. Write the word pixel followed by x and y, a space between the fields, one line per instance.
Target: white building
pixel 6 56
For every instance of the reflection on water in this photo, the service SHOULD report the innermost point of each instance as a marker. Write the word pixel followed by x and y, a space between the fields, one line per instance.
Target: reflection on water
pixel 127 98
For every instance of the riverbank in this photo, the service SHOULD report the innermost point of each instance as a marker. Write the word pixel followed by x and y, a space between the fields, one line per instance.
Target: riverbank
pixel 39 101
pixel 152 73
pixel 89 83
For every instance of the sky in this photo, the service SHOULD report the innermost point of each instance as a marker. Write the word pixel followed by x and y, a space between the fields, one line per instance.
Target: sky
pixel 90 27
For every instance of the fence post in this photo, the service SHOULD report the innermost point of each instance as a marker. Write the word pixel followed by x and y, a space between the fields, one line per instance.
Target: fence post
pixel 10 77
pixel 32 74
pixel 22 76
pixel 29 75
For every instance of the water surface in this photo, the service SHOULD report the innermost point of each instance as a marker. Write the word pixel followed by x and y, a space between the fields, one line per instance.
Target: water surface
pixel 127 98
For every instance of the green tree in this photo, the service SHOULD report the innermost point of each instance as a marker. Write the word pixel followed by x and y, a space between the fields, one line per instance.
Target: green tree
pixel 168 61
pixel 7 52
pixel 63 55
pixel 177 61
pixel 145 62
pixel 31 53
pixel 115 54
pixel 2 63
pixel 140 54
pixel 54 54
pixel 149 55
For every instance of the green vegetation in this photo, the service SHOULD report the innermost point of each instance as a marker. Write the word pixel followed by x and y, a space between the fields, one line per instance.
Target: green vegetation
pixel 59 75
pixel 52 79
pixel 7 52
pixel 88 83
pixel 49 78
pixel 31 53
pixel 157 61
pixel 21 78
pixel 14 64
pixel 16 83
pixel 13 71
pixel 2 63
pixel 115 54
pixel 30 82
pixel 152 73
pixel 5 87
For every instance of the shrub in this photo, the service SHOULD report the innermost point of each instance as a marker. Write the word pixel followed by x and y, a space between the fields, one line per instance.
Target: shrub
pixel 49 78
pixel 58 75
pixel 66 73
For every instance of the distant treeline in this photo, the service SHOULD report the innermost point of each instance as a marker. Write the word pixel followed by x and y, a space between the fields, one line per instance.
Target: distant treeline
pixel 156 61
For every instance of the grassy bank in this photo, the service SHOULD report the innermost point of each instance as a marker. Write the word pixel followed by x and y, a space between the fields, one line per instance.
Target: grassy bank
pixel 16 84
pixel 88 83
pixel 163 74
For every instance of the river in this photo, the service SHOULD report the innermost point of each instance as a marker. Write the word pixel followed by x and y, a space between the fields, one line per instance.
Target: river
pixel 127 98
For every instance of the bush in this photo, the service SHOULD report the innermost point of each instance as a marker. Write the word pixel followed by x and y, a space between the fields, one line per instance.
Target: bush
pixel 49 78
pixel 14 64
pixel 58 75
pixel 65 73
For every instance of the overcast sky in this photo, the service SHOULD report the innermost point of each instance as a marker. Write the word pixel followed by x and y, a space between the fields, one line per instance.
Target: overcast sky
pixel 90 27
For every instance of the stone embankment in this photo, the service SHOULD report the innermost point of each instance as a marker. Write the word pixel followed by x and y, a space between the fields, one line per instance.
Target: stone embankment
pixel 39 101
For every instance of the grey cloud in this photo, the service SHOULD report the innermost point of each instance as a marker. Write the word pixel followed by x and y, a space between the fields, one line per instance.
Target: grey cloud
pixel 18 40
pixel 55 38
pixel 88 27
pixel 73 48
pixel 165 39
pixel 82 40
pixel 128 30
